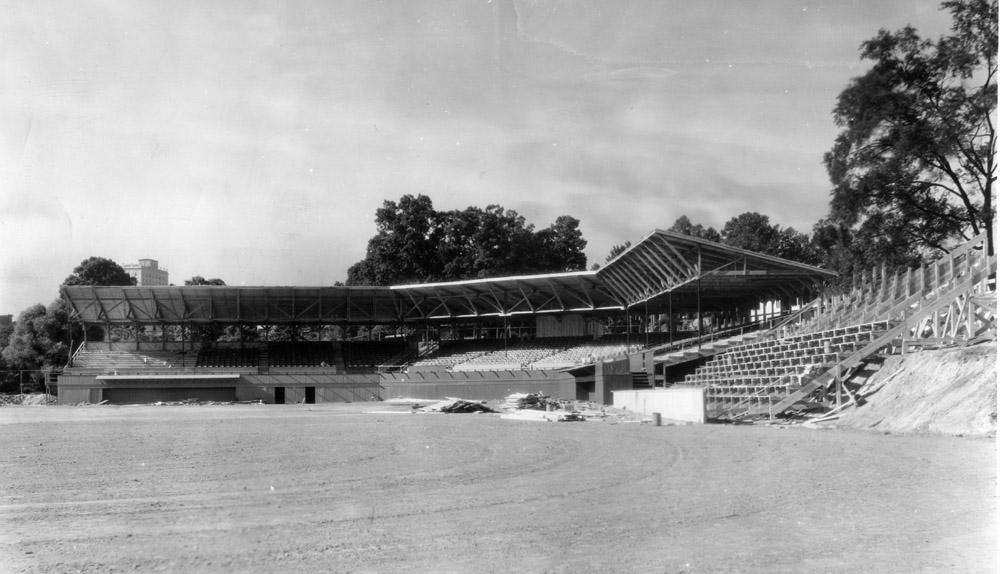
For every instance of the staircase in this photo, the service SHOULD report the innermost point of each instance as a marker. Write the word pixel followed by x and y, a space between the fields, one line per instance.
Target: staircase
pixel 263 362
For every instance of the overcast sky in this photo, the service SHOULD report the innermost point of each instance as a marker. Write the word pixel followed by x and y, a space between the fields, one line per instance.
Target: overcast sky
pixel 253 141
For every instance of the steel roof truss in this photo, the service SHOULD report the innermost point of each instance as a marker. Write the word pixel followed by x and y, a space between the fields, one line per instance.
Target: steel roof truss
pixel 102 312
pixel 616 278
pixel 679 264
pixel 657 267
pixel 524 297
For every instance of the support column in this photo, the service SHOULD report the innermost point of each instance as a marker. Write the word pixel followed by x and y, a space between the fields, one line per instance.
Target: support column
pixel 670 315
pixel 698 292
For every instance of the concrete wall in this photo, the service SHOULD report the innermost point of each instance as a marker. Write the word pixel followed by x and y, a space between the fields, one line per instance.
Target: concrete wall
pixel 610 376
pixel 75 389
pixel 479 385
pixel 676 403
pixel 330 388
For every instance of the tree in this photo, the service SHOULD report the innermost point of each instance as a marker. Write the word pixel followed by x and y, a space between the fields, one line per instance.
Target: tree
pixel 8 379
pixel 684 225
pixel 39 341
pixel 562 244
pixel 99 271
pixel 416 243
pixel 199 280
pixel 913 167
pixel 617 250
pixel 402 249
pixel 753 231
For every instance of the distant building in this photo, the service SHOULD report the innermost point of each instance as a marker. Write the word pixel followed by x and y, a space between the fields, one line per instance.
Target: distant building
pixel 147 272
pixel 6 320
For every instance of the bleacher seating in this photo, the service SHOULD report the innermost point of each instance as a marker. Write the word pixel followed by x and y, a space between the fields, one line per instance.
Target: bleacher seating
pixel 451 353
pixel 124 361
pixel 770 366
pixel 588 352
pixel 216 358
pixel 518 354
pixel 371 354
pixel 541 354
pixel 301 354
pixel 834 334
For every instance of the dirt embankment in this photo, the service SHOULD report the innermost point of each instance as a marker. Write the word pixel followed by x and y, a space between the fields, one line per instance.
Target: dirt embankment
pixel 947 391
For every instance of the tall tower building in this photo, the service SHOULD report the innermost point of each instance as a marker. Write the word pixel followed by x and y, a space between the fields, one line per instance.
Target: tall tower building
pixel 147 272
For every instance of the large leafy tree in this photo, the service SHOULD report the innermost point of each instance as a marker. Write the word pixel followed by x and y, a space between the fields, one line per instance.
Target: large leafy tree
pixel 99 271
pixel 403 245
pixel 753 231
pixel 416 243
pixel 683 225
pixel 39 341
pixel 913 167
pixel 562 245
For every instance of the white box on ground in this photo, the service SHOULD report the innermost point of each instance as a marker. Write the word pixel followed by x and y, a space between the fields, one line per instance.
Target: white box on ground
pixel 685 404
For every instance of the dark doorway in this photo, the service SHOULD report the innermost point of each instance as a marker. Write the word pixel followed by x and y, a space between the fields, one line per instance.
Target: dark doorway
pixel 279 395
pixel 310 395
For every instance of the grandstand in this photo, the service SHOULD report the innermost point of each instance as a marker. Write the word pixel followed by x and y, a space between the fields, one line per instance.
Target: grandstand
pixel 760 334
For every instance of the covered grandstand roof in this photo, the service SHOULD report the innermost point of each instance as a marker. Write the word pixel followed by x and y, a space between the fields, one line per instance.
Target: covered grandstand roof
pixel 233 305
pixel 554 292
pixel 663 270
pixel 665 263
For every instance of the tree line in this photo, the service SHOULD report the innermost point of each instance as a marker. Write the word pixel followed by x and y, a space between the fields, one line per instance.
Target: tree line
pixel 415 243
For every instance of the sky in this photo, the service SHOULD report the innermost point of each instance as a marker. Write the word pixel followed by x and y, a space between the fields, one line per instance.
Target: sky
pixel 253 141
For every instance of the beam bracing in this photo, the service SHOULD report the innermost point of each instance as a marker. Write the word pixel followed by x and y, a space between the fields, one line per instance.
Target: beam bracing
pixel 655 268
pixel 612 278
pixel 635 280
pixel 103 313
pixel 415 306
pixel 129 308
pixel 667 273
pixel 641 269
pixel 681 266
pixel 670 270
pixel 681 257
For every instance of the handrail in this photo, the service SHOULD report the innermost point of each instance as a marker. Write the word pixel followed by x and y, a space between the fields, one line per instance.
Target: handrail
pixel 683 344
pixel 883 291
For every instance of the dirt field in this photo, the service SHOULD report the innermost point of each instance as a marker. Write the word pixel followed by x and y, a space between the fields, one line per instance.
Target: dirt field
pixel 327 488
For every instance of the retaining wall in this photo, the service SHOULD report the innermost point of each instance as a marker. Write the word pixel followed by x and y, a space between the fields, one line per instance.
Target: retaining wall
pixel 676 403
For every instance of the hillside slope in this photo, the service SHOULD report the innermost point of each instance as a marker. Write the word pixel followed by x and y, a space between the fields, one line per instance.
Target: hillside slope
pixel 947 391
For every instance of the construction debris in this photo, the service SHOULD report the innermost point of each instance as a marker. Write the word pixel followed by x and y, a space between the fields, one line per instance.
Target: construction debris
pixel 33 399
pixel 543 416
pixel 454 405
pixel 539 407
pixel 524 401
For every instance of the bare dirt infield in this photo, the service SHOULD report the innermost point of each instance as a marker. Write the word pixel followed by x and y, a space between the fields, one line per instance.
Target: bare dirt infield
pixel 327 488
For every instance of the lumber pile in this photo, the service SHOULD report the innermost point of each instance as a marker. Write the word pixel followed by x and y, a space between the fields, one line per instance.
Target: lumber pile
pixel 453 405
pixel 519 401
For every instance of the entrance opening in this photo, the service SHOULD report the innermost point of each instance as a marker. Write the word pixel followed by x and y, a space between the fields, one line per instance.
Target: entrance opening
pixel 310 395
pixel 279 395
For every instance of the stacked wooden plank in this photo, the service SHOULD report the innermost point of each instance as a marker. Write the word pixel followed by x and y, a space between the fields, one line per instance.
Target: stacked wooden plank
pixel 518 401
